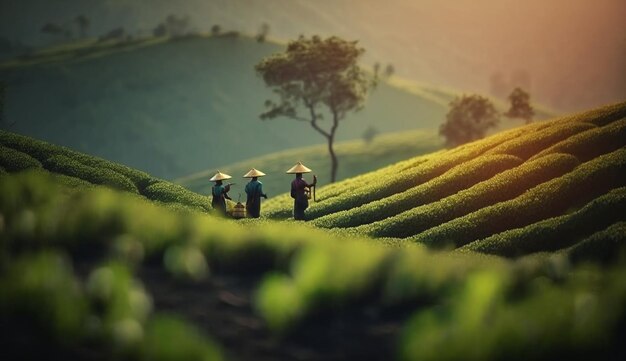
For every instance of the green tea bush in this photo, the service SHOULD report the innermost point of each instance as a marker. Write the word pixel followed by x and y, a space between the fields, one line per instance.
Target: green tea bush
pixel 458 178
pixel 485 321
pixel 68 166
pixel 387 186
pixel 415 274
pixel 599 116
pixel 42 287
pixel 13 161
pixel 32 202
pixel 281 206
pixel 337 188
pixel 140 179
pixel 531 143
pixel 41 151
pixel 67 182
pixel 120 303
pixel 169 338
pixel 602 116
pixel 393 179
pixel 502 187
pixel 604 246
pixel 108 313
pixel 326 276
pixel 37 149
pixel 172 193
pixel 71 182
pixel 315 272
pixel 558 232
pixel 591 143
pixel 546 200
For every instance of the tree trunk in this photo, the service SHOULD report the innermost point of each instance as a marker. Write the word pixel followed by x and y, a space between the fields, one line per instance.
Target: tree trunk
pixel 333 159
pixel 334 163
pixel 330 138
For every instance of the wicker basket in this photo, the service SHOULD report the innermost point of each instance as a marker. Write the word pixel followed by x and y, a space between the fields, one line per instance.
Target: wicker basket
pixel 239 211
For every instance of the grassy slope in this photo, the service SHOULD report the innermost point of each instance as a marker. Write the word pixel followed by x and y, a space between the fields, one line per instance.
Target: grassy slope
pixel 78 170
pixel 355 157
pixel 172 107
pixel 512 180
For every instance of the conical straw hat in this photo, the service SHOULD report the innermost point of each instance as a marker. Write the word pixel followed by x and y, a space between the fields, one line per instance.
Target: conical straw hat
pixel 219 176
pixel 298 168
pixel 253 173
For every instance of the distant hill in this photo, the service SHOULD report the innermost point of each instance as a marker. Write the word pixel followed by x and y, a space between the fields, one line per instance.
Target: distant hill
pixel 172 107
pixel 478 46
pixel 355 157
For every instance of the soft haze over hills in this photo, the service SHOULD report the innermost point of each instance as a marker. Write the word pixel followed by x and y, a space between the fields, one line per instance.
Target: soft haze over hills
pixel 473 45
pixel 175 107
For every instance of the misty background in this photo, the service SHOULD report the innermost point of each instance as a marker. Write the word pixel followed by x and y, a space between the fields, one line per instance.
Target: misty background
pixel 179 103
pixel 571 54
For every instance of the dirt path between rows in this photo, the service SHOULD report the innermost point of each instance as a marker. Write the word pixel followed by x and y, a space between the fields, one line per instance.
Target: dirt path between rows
pixel 222 307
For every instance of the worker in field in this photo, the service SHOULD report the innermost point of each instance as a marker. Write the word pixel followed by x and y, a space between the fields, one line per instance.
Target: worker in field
pixel 300 190
pixel 254 192
pixel 220 192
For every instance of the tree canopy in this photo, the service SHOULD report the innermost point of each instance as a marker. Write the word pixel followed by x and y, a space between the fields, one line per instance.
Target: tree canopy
pixel 468 119
pixel 520 106
pixel 314 75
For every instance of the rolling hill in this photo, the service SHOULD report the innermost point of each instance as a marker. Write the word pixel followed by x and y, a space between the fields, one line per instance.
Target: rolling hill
pixel 172 107
pixel 563 175
pixel 94 271
pixel 355 157
pixel 77 170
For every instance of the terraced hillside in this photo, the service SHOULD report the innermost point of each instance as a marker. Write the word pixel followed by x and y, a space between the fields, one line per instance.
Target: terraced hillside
pixel 355 157
pixel 77 170
pixel 489 195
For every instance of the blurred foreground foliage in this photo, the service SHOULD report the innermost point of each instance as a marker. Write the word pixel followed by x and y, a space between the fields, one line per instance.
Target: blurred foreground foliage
pixel 465 305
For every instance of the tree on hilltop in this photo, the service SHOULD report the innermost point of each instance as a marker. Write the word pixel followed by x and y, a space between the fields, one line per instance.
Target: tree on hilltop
pixel 520 106
pixel 2 95
pixel 315 75
pixel 263 31
pixel 118 34
pixel 468 119
pixel 173 26
pixel 83 23
pixel 389 70
pixel 369 134
pixel 177 26
pixel 53 29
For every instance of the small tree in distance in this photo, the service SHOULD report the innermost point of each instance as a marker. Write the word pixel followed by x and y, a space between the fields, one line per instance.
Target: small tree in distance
pixel 468 119
pixel 2 95
pixel 520 106
pixel 53 29
pixel 389 70
pixel 83 24
pixel 263 31
pixel 369 134
pixel 315 75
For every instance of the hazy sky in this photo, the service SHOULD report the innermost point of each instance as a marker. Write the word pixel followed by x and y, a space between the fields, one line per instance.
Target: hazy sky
pixel 570 53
